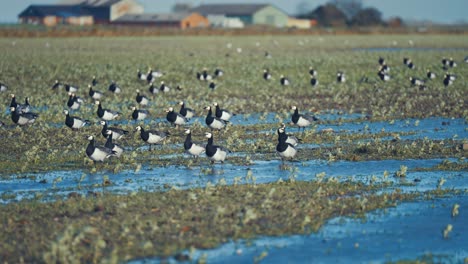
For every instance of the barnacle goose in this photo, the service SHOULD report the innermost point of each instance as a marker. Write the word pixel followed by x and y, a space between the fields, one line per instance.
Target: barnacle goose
pixel 214 122
pixel 96 95
pixel 174 118
pixel 218 72
pixel 300 120
pixel 117 149
pixel 72 102
pixel 106 114
pixel 430 75
pixel 152 136
pixel 139 114
pixel 383 76
pixel 56 85
pixel 185 111
pixel 22 118
pixel 71 88
pixel 293 140
pixel 74 122
pixel 266 75
pixel 117 133
pixel 340 77
pixel 314 81
pixel 416 81
pixel 141 99
pixel 113 87
pixel 21 108
pixel 94 82
pixel 190 147
pixel 141 76
pixel 215 153
pixel 164 88
pixel 284 149
pixel 284 80
pixel 96 153
pixel 222 113
pixel 312 72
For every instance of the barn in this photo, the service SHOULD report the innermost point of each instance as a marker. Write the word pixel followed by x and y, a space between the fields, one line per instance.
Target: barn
pixel 84 12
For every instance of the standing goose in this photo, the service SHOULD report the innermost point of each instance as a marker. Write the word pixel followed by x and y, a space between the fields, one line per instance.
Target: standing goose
pixel 284 149
pixel 74 122
pixel 152 136
pixel 212 85
pixel 218 72
pixel 141 76
pixel 215 153
pixel 106 114
pixel 340 77
pixel 222 113
pixel 164 88
pixel 94 82
pixel 312 72
pixel 117 149
pixel 117 133
pixel 153 89
pixel 448 80
pixel 452 63
pixel 300 120
pixel 56 85
pixel 96 95
pixel 288 138
pixel 214 122
pixel 96 153
pixel 141 99
pixel 114 88
pixel 430 75
pixel 383 76
pixel 200 76
pixel 284 80
pixel 314 81
pixel 381 61
pixel 192 148
pixel 21 108
pixel 139 114
pixel 205 75
pixel 72 102
pixel 186 112
pixel 384 68
pixel 416 81
pixel 3 87
pixel 174 118
pixel 20 118
pixel 71 88
pixel 266 75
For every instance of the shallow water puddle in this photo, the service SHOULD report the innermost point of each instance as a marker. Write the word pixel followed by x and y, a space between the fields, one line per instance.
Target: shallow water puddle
pixel 51 184
pixel 409 231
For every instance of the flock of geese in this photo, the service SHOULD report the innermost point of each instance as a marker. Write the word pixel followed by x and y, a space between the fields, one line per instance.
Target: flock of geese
pixel 216 118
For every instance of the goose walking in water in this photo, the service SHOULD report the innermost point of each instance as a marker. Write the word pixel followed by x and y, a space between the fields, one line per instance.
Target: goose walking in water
pixel 97 153
pixel 190 147
pixel 215 153
pixel 284 149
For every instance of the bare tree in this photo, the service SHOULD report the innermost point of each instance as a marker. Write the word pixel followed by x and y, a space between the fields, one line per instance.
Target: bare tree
pixel 349 7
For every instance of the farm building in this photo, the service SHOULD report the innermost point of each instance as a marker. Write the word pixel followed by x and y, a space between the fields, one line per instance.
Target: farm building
pixel 299 23
pixel 84 12
pixel 172 20
pixel 249 14
pixel 51 15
